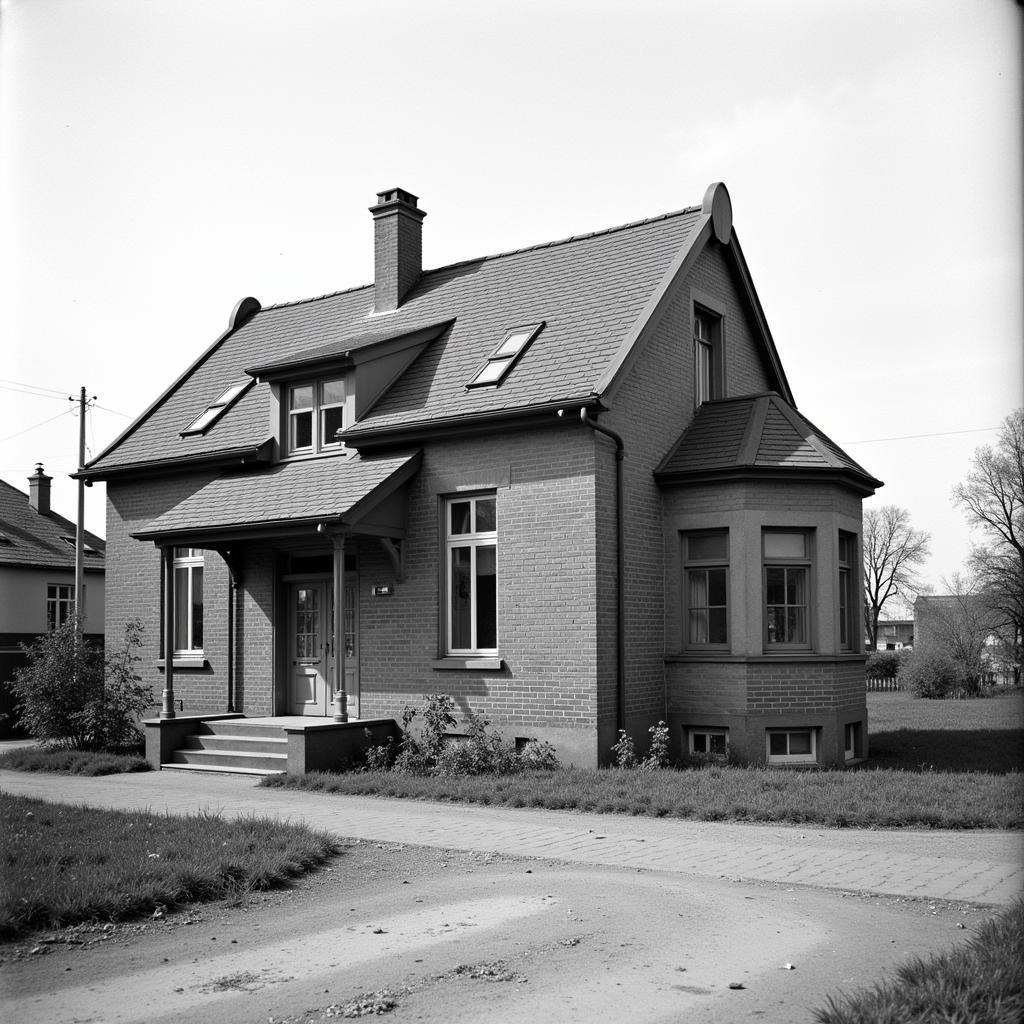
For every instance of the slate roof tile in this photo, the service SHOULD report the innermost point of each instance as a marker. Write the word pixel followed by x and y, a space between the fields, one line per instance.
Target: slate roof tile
pixel 30 539
pixel 590 290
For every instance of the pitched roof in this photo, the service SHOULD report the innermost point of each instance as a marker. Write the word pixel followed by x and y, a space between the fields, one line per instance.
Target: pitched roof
pixel 755 434
pixel 336 489
pixel 46 541
pixel 590 290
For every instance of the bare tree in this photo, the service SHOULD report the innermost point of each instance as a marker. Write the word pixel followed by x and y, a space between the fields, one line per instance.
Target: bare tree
pixel 893 549
pixel 992 498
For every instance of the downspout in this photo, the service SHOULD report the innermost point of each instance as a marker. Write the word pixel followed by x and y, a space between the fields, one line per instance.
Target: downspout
pixel 232 603
pixel 620 558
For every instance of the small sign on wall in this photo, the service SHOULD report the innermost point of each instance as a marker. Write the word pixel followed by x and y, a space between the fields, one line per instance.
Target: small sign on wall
pixel 383 590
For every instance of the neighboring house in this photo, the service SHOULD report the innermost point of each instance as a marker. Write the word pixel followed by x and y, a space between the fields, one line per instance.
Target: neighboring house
pixel 893 635
pixel 965 626
pixel 37 577
pixel 567 485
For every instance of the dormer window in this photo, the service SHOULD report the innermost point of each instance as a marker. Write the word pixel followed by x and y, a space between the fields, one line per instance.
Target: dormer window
pixel 316 412
pixel 504 357
pixel 215 410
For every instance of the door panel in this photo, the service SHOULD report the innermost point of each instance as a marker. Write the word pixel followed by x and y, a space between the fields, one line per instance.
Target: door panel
pixel 308 691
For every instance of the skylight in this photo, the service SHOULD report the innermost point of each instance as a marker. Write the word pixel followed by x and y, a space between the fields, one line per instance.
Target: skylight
pixel 504 357
pixel 215 410
pixel 87 548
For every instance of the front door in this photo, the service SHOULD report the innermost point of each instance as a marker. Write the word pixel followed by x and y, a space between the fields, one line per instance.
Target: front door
pixel 310 666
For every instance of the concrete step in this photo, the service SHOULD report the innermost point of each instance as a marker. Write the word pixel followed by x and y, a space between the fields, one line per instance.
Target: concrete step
pixel 219 768
pixel 257 743
pixel 239 727
pixel 229 760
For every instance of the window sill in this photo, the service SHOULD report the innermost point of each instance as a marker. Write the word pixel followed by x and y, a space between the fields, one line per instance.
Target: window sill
pixel 199 661
pixel 468 662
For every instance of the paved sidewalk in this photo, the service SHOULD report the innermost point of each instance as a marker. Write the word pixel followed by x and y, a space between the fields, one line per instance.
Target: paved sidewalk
pixel 976 867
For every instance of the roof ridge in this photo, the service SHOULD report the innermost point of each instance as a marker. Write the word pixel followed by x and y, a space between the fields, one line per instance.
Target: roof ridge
pixel 501 255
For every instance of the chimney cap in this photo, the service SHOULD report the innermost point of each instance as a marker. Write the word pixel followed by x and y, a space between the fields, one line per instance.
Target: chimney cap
pixel 393 200
pixel 39 471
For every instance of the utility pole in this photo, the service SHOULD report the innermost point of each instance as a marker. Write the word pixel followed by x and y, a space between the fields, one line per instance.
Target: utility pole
pixel 80 527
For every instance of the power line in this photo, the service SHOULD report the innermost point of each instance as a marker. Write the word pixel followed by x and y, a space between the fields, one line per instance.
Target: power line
pixel 32 394
pixel 35 387
pixel 36 426
pixel 914 437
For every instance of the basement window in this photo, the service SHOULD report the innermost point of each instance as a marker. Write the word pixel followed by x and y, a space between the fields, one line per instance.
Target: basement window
pixel 792 746
pixel 215 410
pixel 505 356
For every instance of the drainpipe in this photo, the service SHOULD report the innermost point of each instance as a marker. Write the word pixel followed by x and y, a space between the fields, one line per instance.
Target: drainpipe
pixel 229 561
pixel 620 627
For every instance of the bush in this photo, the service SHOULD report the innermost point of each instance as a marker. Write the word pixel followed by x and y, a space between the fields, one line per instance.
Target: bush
pixel 70 696
pixel 931 673
pixel 479 752
pixel 885 664
pixel 624 750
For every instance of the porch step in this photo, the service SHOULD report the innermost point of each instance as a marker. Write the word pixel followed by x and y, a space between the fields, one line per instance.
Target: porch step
pixel 256 742
pixel 233 745
pixel 219 768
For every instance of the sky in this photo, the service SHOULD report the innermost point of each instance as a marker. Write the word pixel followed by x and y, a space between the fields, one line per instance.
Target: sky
pixel 161 159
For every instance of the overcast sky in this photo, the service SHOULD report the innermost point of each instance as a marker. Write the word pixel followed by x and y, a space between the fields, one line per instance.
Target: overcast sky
pixel 160 159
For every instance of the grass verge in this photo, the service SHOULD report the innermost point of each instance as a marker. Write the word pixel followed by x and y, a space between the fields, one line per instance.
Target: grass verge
pixel 873 799
pixel 61 865
pixel 71 762
pixel 980 983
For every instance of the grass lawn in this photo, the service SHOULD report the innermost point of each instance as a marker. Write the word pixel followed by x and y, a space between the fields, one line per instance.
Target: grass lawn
pixel 71 762
pixel 61 865
pixel 900 788
pixel 981 983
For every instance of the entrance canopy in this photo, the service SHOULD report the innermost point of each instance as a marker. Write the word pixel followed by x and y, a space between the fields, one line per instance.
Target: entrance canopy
pixel 339 494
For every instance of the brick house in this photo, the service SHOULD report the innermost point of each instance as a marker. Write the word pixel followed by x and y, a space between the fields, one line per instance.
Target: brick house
pixel 37 578
pixel 567 485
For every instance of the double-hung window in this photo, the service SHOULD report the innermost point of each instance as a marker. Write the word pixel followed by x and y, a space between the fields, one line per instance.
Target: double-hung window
pixel 316 412
pixel 846 576
pixel 60 604
pixel 787 571
pixel 706 572
pixel 188 601
pixel 707 356
pixel 471 584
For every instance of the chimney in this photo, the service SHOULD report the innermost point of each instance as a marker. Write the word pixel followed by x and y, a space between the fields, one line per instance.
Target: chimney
pixel 39 491
pixel 397 247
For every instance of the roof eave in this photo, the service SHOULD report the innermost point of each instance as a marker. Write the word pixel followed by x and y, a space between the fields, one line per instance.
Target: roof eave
pixel 221 459
pixel 863 485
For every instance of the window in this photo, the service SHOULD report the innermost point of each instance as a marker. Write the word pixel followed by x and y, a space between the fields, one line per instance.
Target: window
pixel 86 548
pixel 787 567
pixel 471 540
pixel 707 355
pixel 316 412
pixel 504 357
pixel 215 410
pixel 851 740
pixel 710 743
pixel 847 561
pixel 60 604
pixel 188 601
pixel 792 746
pixel 706 571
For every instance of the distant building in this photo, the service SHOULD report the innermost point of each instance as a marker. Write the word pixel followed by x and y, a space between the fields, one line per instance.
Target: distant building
pixel 37 576
pixel 893 635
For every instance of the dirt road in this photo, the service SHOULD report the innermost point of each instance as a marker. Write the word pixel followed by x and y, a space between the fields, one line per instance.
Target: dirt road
pixel 428 935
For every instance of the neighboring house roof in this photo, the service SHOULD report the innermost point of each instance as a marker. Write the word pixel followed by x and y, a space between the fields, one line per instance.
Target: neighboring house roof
pixel 329 490
pixel 756 434
pixel 31 540
pixel 594 293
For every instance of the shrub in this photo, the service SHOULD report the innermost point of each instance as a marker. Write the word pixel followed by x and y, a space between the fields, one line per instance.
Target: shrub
pixel 69 695
pixel 885 664
pixel 624 750
pixel 479 752
pixel 931 673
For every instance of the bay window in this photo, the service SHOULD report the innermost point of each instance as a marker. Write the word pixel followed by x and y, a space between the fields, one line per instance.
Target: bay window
pixel 706 572
pixel 787 571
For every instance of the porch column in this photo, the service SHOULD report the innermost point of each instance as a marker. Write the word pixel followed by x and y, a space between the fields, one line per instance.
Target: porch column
pixel 340 697
pixel 167 709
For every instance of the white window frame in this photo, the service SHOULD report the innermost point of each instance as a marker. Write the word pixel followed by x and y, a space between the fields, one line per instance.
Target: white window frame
pixel 707 731
pixel 698 565
pixel 804 564
pixel 213 412
pixel 474 541
pixel 811 758
pixel 60 604
pixel 500 362
pixel 189 560
pixel 317 414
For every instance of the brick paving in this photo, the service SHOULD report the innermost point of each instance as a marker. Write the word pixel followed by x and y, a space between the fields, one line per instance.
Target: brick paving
pixel 984 867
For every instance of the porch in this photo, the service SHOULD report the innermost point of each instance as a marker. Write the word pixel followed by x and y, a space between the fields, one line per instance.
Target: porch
pixel 260 746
